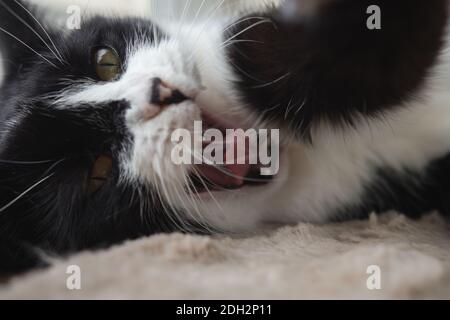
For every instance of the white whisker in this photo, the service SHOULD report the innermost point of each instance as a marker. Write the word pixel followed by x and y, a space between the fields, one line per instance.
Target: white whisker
pixel 61 58
pixel 30 28
pixel 4 208
pixel 246 29
pixel 30 48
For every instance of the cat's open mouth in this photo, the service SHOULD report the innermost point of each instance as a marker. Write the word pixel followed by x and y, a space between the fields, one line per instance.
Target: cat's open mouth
pixel 234 172
pixel 226 177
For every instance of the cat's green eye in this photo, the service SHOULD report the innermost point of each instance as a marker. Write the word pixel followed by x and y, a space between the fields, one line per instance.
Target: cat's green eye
pixel 108 65
pixel 99 173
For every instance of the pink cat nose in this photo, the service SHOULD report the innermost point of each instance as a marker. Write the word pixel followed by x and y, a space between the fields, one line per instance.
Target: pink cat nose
pixel 163 94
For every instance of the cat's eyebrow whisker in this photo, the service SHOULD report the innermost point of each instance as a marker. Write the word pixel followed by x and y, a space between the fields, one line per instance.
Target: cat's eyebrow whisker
pixel 197 14
pixel 225 45
pixel 183 16
pixel 205 24
pixel 4 208
pixel 242 20
pixel 25 162
pixel 246 29
pixel 43 29
pixel 30 48
pixel 30 28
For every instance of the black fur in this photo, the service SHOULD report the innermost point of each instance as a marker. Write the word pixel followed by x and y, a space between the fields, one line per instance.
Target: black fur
pixel 410 192
pixel 59 216
pixel 331 66
pixel 337 68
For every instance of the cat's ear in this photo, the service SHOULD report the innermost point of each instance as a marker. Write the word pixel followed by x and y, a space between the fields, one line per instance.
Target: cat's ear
pixel 21 32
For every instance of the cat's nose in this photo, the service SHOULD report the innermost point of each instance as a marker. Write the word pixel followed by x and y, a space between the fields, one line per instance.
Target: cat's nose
pixel 163 94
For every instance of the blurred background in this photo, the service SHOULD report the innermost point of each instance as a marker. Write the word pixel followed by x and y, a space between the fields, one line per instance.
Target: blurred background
pixel 160 8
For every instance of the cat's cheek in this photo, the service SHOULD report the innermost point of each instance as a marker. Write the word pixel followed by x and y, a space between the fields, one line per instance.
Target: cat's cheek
pixel 150 159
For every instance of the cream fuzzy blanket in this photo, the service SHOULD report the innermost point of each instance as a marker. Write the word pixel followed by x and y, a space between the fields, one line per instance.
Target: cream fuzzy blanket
pixel 304 261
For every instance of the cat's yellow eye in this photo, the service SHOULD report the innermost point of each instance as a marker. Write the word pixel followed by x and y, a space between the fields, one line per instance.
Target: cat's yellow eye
pixel 108 65
pixel 99 173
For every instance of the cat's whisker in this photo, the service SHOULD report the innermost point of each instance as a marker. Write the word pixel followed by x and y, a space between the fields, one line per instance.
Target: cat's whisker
pixel 240 21
pixel 191 186
pixel 25 162
pixel 197 14
pixel 197 173
pixel 43 29
pixel 245 30
pixel 183 16
pixel 289 108
pixel 30 48
pixel 195 217
pixel 205 185
pixel 162 201
pixel 300 108
pixel 164 196
pixel 268 84
pixel 225 45
pixel 205 24
pixel 141 203
pixel 223 171
pixel 23 194
pixel 30 28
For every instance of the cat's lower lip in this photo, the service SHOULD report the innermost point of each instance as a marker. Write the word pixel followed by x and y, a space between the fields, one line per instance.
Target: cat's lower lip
pixel 202 184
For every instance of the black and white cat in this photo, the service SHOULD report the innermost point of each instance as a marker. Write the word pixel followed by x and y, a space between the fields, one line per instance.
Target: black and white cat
pixel 86 121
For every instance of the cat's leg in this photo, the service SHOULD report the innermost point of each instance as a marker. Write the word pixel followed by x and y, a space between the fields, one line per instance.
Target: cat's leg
pixel 410 192
pixel 312 61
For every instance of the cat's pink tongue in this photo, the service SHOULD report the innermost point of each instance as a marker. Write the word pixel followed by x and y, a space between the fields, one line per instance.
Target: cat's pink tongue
pixel 227 175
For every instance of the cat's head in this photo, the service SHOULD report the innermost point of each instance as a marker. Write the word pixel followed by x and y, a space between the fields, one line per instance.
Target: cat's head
pixel 86 120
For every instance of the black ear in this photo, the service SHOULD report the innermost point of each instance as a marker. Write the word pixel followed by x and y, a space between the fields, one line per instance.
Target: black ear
pixel 19 32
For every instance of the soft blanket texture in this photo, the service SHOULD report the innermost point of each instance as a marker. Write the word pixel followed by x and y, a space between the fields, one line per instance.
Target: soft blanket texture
pixel 305 261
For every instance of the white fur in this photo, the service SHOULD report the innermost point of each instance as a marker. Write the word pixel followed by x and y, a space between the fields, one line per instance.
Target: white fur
pixel 313 181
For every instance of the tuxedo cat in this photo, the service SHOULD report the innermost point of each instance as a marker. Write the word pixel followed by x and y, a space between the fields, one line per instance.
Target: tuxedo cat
pixel 86 118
